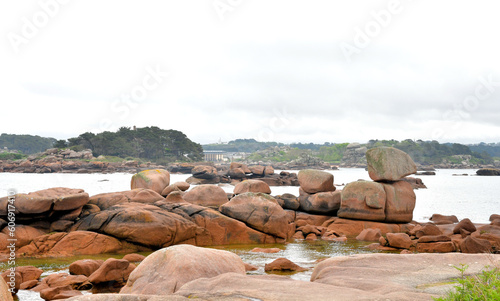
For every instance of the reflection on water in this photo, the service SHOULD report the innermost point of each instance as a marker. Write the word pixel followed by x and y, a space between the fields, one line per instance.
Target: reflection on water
pixel 303 253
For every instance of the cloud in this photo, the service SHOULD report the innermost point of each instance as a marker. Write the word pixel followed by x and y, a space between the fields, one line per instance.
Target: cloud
pixel 268 70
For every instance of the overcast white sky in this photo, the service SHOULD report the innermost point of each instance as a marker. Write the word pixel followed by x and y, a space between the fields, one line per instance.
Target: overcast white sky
pixel 287 71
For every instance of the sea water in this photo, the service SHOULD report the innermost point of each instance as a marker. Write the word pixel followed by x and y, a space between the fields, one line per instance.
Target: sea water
pixel 451 191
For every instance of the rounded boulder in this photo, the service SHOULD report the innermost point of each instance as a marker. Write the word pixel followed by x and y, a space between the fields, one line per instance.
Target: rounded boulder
pixel 206 195
pixel 389 164
pixel 167 270
pixel 313 181
pixel 154 179
pixel 252 186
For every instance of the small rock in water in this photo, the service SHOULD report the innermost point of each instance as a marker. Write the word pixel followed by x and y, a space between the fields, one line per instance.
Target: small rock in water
pixel 283 264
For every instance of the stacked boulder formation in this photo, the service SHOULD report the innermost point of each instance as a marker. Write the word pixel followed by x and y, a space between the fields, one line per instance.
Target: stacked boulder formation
pixel 317 194
pixel 387 199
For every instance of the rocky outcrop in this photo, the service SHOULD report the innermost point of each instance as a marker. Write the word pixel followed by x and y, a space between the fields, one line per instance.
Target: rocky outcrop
pixel 354 156
pixel 154 179
pixel 52 203
pixel 74 243
pixel 206 174
pixel 141 224
pixel 317 193
pixel 488 172
pixel 388 198
pixel 167 270
pixel 69 161
pixel 260 211
pixel 216 228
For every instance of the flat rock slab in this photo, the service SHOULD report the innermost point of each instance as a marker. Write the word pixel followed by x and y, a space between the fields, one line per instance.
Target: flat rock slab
pixel 398 276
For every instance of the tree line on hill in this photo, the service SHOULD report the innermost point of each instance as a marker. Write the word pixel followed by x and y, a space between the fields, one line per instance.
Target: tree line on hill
pixel 27 144
pixel 150 143
pixel 424 152
pixel 163 146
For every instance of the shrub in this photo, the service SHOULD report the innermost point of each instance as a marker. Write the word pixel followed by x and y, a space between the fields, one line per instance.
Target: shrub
pixel 484 286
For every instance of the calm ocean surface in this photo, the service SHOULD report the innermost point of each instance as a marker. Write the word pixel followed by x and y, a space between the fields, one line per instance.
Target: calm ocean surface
pixel 464 196
pixel 469 196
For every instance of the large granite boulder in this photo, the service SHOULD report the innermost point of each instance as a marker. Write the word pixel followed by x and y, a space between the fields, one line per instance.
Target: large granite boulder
pixel 204 172
pixel 363 200
pixel 260 211
pixel 154 179
pixel 488 172
pixel 71 244
pixel 217 228
pixel 165 271
pixel 391 202
pixel 252 186
pixel 85 266
pixel 238 171
pixel 389 164
pixel 320 203
pixel 116 270
pixel 141 224
pixel 138 195
pixel 45 203
pixel 313 181
pixel 206 195
pixel 400 202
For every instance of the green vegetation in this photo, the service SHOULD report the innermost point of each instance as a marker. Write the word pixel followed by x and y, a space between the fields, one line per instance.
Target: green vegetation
pixel 333 153
pixel 151 143
pixel 11 156
pixel 485 286
pixel 432 152
pixel 28 144
pixel 242 145
pixel 278 156
pixel 423 152
pixel 492 149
